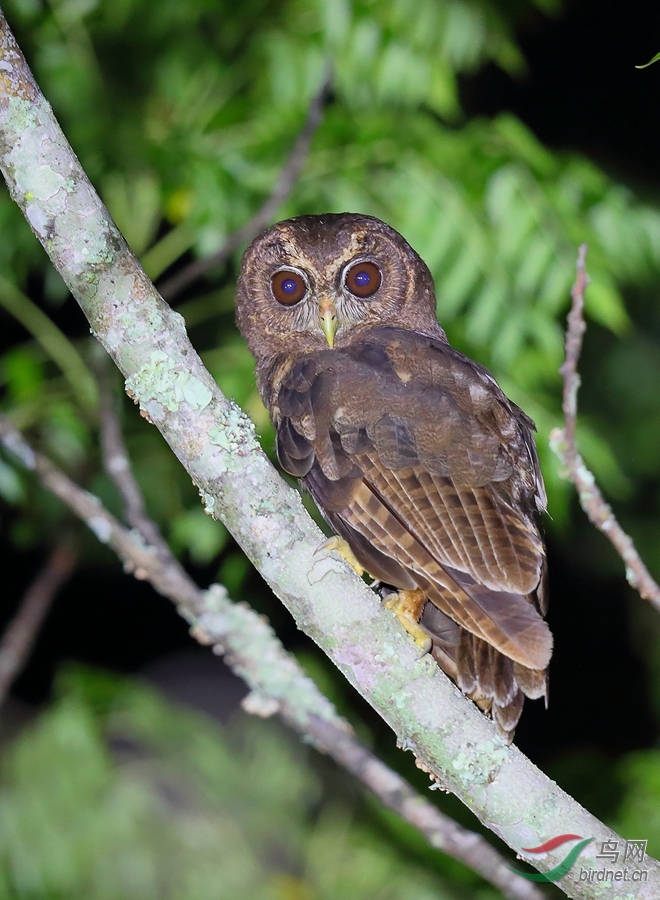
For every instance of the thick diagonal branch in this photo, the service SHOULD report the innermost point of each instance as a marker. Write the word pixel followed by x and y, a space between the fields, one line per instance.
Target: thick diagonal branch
pixel 562 441
pixel 215 442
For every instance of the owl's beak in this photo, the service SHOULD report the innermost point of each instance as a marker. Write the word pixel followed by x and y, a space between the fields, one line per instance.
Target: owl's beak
pixel 328 315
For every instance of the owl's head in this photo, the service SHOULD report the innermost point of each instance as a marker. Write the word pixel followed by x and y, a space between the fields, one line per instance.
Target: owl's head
pixel 324 279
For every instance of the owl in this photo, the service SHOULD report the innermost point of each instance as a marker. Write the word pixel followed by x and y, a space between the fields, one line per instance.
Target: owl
pixel 424 469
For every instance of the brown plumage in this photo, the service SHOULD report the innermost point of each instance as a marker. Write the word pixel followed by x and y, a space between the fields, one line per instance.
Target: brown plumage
pixel 411 451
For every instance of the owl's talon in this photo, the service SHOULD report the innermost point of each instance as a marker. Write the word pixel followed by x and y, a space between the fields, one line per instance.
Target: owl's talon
pixel 343 549
pixel 408 607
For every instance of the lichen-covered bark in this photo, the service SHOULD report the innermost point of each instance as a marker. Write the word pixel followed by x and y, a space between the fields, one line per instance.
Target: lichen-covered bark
pixel 215 442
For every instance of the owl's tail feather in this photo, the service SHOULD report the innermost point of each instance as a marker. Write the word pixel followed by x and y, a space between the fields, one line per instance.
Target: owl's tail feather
pixel 497 684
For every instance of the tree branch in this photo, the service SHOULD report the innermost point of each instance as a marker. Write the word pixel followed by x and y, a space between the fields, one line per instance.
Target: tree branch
pixel 215 442
pixel 563 443
pixel 254 653
pixel 20 635
pixel 117 464
pixel 283 186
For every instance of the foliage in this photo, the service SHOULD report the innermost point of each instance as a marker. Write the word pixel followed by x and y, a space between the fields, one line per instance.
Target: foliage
pixel 112 793
pixel 183 117
pixel 650 62
pixel 638 815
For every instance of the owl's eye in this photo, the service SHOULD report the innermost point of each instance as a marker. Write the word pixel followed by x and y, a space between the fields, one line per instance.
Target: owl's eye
pixel 363 279
pixel 288 287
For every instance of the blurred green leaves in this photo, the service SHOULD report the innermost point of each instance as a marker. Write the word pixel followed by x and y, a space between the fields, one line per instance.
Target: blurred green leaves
pixel 183 115
pixel 52 341
pixel 112 794
pixel 639 815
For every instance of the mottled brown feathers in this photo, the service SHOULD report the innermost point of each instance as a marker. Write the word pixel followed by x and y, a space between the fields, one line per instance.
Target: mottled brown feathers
pixel 410 449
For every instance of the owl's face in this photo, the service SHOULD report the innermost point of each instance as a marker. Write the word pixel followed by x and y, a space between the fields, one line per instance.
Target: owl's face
pixel 324 279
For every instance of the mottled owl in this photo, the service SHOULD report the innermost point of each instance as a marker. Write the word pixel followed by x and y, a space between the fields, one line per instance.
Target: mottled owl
pixel 424 469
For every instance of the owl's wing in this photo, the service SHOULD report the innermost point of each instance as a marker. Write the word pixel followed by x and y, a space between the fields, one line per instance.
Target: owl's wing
pixel 417 458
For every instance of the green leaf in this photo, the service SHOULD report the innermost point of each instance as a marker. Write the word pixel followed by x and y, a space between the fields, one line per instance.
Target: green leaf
pixel 604 305
pixel 650 62
pixel 199 534
pixel 11 488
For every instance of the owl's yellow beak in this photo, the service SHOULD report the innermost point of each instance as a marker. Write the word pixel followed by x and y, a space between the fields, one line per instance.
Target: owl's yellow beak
pixel 328 315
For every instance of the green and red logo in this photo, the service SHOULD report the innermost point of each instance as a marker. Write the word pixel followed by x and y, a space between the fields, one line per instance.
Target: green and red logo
pixel 567 863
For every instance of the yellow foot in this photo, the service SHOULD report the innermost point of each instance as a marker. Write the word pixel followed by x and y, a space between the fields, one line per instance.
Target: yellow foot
pixel 408 607
pixel 344 550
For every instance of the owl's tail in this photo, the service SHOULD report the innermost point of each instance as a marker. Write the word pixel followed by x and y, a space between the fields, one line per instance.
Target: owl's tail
pixel 497 684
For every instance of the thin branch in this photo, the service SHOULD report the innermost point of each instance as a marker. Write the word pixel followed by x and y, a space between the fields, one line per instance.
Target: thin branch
pixel 253 651
pixel 21 633
pixel 284 185
pixel 138 558
pixel 215 442
pixel 117 464
pixel 563 443
pixel 573 346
